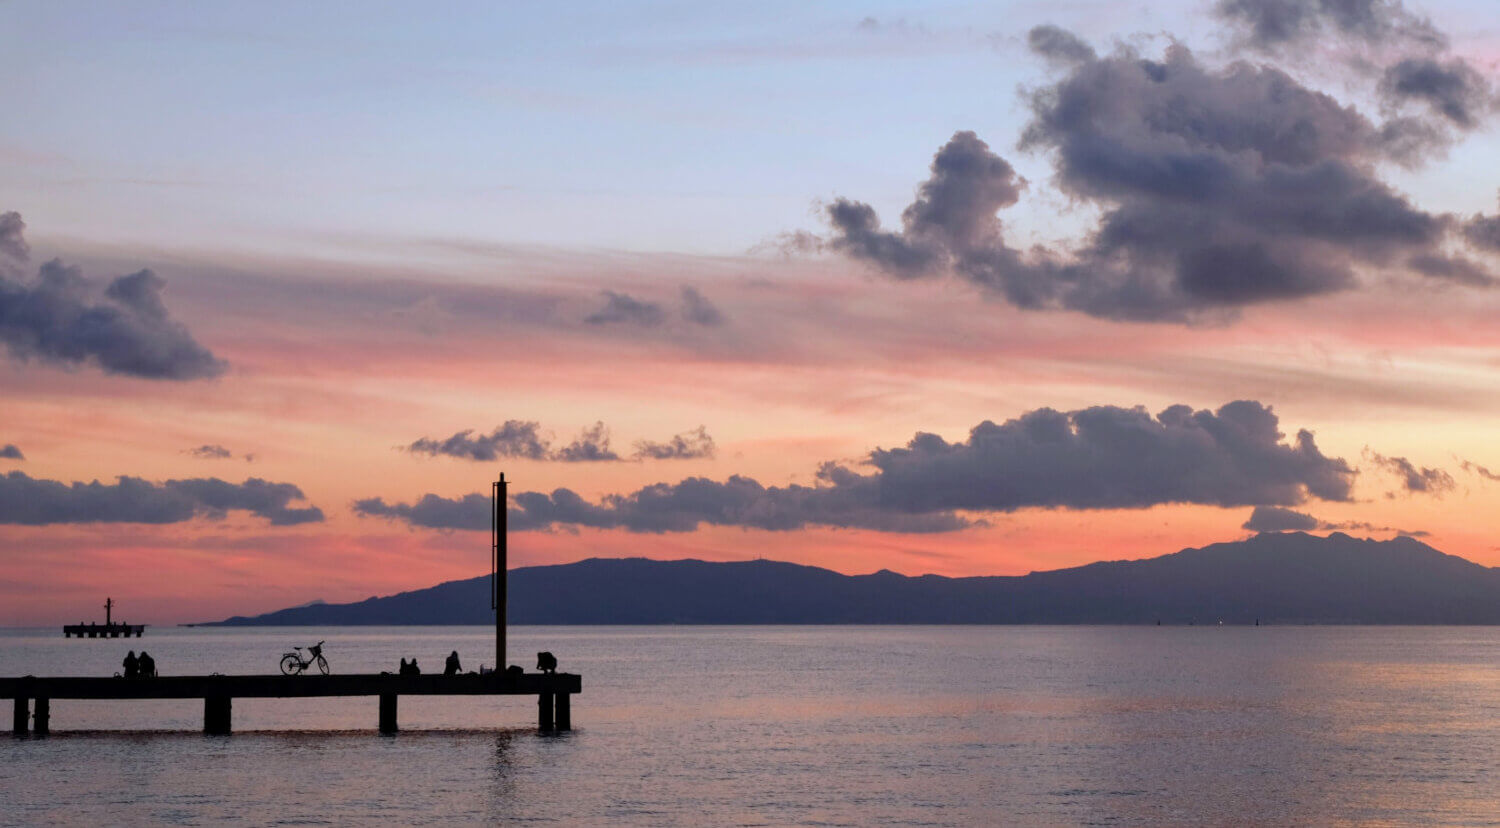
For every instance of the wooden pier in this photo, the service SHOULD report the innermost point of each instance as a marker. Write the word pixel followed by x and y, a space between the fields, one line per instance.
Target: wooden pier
pixel 33 695
pixel 554 691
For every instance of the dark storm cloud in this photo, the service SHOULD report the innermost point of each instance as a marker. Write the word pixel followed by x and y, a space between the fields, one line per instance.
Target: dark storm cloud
pixel 1413 479
pixel 1277 519
pixel 698 310
pixel 621 308
pixel 590 446
pixel 1059 45
pixel 61 318
pixel 1096 458
pixel 1216 188
pixel 1483 232
pixel 13 237
pixel 10 452
pixel 1451 88
pixel 433 512
pixel 1113 458
pixel 1451 268
pixel 690 445
pixel 680 507
pixel 29 501
pixel 210 452
pixel 954 212
pixel 516 438
pixel 1268 25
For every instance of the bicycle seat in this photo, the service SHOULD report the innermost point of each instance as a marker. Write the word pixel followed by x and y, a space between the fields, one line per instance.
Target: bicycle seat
pixel 296 648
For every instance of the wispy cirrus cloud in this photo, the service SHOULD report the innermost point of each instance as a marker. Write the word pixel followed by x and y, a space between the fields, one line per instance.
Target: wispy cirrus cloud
pixel 1414 479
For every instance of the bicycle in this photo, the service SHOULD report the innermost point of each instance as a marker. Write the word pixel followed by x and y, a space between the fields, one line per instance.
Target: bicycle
pixel 293 663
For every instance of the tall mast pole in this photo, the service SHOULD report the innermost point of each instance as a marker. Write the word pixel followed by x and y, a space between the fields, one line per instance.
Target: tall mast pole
pixel 109 604
pixel 498 568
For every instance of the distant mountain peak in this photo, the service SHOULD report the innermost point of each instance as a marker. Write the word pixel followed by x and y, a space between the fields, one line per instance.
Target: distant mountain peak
pixel 1292 577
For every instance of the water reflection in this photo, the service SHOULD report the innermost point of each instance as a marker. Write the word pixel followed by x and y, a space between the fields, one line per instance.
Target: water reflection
pixel 942 726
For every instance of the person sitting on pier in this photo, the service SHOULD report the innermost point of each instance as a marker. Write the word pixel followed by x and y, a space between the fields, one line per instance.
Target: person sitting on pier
pixel 546 662
pixel 147 665
pixel 410 668
pixel 451 667
pixel 132 665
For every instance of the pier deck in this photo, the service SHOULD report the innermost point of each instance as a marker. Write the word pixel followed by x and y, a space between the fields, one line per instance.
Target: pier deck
pixel 553 692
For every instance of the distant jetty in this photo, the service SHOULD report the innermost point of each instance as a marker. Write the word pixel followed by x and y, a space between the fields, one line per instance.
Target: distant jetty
pixel 109 629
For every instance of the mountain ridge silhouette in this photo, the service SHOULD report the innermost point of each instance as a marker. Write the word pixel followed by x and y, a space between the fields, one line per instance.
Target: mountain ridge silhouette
pixel 1270 578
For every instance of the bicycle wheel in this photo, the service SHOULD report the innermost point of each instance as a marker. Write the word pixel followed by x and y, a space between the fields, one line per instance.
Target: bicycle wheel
pixel 291 665
pixel 323 665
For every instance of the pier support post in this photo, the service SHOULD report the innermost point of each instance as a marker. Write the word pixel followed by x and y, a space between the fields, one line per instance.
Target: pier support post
pixel 41 716
pixel 19 722
pixel 564 711
pixel 216 715
pixel 544 711
pixel 388 713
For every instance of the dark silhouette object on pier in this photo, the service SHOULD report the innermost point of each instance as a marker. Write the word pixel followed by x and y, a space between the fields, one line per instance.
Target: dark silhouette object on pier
pixel 514 672
pixel 451 667
pixel 546 662
pixel 410 668
pixel 146 665
pixel 293 663
pixel 132 665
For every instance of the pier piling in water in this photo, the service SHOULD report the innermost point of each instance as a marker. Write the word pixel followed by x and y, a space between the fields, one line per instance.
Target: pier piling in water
pixel 388 713
pixel 544 721
pixel 41 716
pixel 216 715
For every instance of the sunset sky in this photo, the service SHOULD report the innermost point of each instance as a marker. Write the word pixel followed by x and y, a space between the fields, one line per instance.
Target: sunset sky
pixel 952 288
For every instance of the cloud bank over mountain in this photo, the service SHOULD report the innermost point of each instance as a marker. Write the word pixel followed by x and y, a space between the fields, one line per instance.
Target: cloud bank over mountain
pixel 1097 458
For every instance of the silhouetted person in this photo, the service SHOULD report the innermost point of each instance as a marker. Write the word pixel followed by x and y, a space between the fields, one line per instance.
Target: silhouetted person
pixel 404 669
pixel 450 667
pixel 132 665
pixel 546 662
pixel 415 670
pixel 514 672
pixel 147 665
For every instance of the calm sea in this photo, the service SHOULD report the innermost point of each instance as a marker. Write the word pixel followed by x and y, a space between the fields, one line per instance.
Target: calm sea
pixel 797 726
